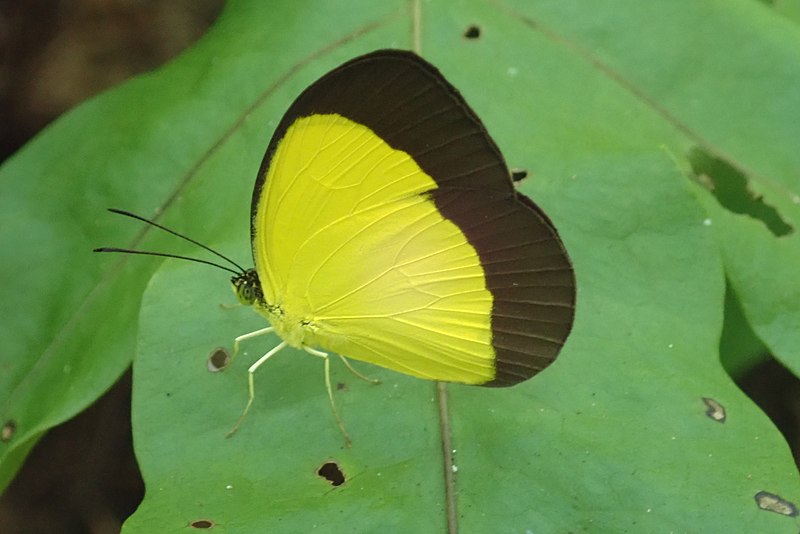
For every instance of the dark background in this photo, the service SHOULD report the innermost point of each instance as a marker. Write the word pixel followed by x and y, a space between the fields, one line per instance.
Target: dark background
pixel 82 477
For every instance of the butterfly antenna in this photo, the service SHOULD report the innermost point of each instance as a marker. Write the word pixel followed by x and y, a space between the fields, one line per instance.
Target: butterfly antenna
pixel 164 255
pixel 173 232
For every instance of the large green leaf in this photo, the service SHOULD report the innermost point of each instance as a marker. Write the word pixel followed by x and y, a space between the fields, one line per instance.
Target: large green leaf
pixel 603 105
pixel 724 74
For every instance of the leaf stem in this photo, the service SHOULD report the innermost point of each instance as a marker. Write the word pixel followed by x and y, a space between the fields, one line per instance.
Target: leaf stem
pixel 447 453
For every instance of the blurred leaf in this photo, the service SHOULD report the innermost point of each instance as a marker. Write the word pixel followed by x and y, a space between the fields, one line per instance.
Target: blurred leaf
pixel 602 105
pixel 788 8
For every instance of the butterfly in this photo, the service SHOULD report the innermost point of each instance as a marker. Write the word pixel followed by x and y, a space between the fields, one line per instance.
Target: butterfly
pixel 386 228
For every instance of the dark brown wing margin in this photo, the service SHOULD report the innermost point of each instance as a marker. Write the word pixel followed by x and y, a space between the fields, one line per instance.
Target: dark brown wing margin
pixel 409 104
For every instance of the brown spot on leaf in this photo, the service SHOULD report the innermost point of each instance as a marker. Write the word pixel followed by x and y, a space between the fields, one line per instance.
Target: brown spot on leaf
pixel 714 410
pixel 472 32
pixel 8 431
pixel 775 503
pixel 331 472
pixel 202 523
pixel 517 175
pixel 218 360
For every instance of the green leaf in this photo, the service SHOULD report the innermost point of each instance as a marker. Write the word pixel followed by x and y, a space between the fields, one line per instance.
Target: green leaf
pixel 603 105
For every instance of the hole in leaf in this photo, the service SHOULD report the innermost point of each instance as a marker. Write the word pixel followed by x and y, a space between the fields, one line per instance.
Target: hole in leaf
pixel 714 410
pixel 330 471
pixel 202 523
pixel 517 175
pixel 8 431
pixel 218 360
pixel 472 32
pixel 775 503
pixel 731 189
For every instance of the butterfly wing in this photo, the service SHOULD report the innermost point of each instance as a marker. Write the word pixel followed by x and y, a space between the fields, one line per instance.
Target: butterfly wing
pixel 385 221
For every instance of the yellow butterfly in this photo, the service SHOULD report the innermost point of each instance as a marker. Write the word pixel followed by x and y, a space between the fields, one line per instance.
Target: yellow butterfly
pixel 386 228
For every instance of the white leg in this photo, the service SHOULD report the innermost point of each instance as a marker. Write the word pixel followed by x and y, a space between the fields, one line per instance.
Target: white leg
pixel 324 356
pixel 359 375
pixel 267 356
pixel 250 381
pixel 241 338
pixel 315 352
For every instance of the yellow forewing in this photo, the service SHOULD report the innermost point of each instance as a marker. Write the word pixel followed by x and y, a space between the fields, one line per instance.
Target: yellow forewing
pixel 349 247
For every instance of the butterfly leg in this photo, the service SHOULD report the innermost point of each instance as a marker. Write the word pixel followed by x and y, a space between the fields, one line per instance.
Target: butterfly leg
pixel 251 384
pixel 359 375
pixel 324 356
pixel 249 335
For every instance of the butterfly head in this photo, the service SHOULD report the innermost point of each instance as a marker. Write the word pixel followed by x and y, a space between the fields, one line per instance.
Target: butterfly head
pixel 247 287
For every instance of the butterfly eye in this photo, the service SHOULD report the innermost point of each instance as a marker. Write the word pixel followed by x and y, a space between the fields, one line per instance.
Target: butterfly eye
pixel 245 294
